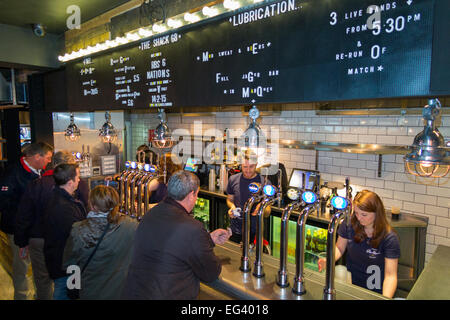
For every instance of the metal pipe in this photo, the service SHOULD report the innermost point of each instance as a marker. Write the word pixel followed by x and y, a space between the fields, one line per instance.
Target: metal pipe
pixel 329 291
pixel 140 184
pixel 135 178
pixel 282 279
pixel 122 176
pixel 124 190
pixel 299 283
pixel 259 270
pixel 127 190
pixel 245 262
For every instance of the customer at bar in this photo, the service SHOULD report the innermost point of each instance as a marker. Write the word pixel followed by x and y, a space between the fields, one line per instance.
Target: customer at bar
pixel 29 224
pixel 13 184
pixel 373 247
pixel 238 193
pixel 104 276
pixel 173 252
pixel 61 211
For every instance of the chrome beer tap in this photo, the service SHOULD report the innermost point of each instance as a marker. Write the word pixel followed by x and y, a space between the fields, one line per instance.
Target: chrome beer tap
pixel 269 192
pixel 153 175
pixel 127 180
pixel 133 192
pixel 150 172
pixel 122 177
pixel 294 195
pixel 255 189
pixel 342 207
pixel 311 200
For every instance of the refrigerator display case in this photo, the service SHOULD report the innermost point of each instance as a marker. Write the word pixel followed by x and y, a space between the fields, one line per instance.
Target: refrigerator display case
pixel 315 242
pixel 202 211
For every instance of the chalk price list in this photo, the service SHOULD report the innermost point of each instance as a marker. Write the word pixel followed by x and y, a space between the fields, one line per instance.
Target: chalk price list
pixel 88 83
pixel 124 81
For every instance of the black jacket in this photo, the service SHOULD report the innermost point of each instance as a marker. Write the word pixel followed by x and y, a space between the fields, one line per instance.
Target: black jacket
pixel 29 220
pixel 61 211
pixel 172 253
pixel 12 186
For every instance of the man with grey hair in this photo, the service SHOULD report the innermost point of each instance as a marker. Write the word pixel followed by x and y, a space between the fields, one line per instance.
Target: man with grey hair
pixel 28 235
pixel 173 252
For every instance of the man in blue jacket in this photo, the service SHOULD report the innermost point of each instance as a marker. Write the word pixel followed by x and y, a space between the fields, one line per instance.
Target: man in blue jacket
pixel 61 211
pixel 12 186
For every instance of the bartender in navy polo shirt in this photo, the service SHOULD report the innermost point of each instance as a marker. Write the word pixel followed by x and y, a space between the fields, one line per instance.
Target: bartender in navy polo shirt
pixel 238 194
pixel 372 245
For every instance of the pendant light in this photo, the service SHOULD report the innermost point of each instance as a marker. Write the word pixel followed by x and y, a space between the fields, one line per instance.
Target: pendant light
pixel 253 136
pixel 72 132
pixel 107 132
pixel 429 156
pixel 163 136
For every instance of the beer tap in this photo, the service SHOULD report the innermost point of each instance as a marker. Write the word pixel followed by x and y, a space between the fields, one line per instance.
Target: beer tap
pixel 294 195
pixel 311 200
pixel 269 192
pixel 127 181
pixel 135 179
pixel 153 174
pixel 255 189
pixel 149 171
pixel 121 179
pixel 342 207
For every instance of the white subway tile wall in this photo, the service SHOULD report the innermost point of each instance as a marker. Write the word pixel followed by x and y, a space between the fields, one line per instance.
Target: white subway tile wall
pixel 420 196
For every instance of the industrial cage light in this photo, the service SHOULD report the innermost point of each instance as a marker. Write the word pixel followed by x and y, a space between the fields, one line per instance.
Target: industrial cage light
pixel 107 132
pixel 253 136
pixel 163 136
pixel 429 156
pixel 72 133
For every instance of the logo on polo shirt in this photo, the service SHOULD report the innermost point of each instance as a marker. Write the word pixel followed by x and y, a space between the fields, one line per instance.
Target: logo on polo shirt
pixel 372 253
pixel 5 188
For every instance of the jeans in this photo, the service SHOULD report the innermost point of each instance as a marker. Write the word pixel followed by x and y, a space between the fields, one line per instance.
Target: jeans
pixel 60 289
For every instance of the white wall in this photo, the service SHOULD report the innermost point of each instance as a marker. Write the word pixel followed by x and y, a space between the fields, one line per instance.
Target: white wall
pixel 426 197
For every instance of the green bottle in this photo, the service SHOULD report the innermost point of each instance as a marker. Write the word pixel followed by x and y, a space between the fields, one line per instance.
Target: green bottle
pixel 315 241
pixel 308 239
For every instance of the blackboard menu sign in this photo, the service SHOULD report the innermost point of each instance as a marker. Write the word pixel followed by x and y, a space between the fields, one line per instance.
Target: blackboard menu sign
pixel 280 52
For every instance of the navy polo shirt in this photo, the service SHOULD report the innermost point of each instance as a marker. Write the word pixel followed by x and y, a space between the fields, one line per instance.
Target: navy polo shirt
pixel 238 188
pixel 365 263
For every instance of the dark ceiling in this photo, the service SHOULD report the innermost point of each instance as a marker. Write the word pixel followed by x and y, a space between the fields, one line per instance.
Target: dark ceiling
pixel 51 13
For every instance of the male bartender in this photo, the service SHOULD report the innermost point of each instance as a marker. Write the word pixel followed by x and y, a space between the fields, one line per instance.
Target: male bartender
pixel 238 194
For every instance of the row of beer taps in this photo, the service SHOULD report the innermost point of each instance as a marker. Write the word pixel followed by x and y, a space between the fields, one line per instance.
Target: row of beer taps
pixel 133 188
pixel 307 201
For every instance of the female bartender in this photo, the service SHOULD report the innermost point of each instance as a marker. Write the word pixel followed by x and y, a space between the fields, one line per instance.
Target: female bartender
pixel 157 187
pixel 372 245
